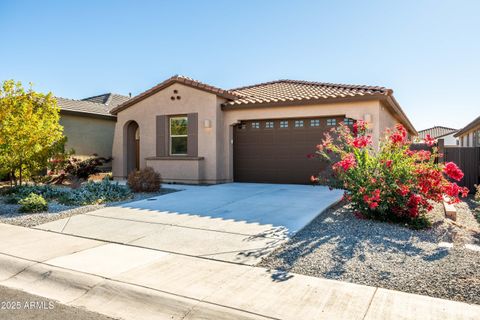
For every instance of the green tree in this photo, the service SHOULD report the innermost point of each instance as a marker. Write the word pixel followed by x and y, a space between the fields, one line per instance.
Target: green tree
pixel 30 133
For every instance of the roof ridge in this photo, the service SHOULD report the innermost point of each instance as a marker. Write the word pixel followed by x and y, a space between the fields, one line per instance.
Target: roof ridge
pixel 317 83
pixel 109 96
pixel 79 100
pixel 182 77
pixel 109 99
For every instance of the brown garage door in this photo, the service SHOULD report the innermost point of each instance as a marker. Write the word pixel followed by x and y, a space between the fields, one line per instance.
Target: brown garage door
pixel 275 151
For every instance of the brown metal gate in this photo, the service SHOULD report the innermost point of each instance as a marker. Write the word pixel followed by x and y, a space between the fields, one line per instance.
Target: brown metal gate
pixel 275 151
pixel 468 159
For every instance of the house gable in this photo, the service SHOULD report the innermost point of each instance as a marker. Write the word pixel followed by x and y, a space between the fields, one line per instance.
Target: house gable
pixel 169 82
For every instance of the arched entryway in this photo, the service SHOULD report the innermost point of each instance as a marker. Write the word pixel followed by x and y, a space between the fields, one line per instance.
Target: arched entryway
pixel 133 146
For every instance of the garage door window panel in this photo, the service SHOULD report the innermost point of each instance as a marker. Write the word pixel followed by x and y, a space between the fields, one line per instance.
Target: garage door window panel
pixel 179 136
pixel 269 125
pixel 331 122
pixel 298 123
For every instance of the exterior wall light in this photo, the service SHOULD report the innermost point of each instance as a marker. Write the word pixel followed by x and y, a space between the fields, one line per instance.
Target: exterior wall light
pixel 207 123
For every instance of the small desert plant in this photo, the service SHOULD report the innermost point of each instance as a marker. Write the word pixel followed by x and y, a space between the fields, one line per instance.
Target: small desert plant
pixel 33 203
pixel 96 193
pixel 145 180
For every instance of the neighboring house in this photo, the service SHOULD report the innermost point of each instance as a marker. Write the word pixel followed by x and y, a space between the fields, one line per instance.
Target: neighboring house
pixel 88 123
pixel 440 133
pixel 192 132
pixel 469 136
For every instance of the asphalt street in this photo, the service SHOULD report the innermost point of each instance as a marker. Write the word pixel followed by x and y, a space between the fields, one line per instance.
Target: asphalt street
pixel 18 305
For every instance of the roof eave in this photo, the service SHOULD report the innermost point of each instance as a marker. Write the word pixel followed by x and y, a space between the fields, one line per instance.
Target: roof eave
pixel 469 126
pixel 229 106
pixel 446 134
pixel 88 114
pixel 387 98
pixel 390 99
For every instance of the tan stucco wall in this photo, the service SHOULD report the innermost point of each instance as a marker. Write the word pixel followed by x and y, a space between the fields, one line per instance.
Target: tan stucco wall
pixel 144 113
pixel 88 135
pixel 215 143
pixel 386 121
pixel 185 171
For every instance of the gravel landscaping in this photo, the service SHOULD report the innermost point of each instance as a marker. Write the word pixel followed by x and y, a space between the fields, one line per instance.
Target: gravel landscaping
pixel 9 212
pixel 337 245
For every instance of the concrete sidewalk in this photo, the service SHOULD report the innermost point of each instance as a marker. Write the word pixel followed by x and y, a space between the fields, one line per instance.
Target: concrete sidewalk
pixel 131 282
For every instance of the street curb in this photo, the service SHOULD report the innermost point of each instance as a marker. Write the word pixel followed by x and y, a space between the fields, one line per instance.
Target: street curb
pixel 107 296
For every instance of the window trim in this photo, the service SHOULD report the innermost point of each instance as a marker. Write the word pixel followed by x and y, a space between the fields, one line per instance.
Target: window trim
pixel 170 136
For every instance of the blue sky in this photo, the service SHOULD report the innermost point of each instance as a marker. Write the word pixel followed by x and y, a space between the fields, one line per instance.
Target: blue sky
pixel 427 51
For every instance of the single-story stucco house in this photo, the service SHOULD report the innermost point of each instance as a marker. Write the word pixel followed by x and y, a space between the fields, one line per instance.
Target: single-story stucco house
pixel 440 133
pixel 88 123
pixel 191 132
pixel 469 136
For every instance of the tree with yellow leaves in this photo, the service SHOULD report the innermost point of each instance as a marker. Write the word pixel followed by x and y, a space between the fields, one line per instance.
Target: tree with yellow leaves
pixel 30 133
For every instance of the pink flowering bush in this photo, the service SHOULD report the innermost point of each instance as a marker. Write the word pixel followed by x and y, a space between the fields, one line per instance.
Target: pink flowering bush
pixel 391 183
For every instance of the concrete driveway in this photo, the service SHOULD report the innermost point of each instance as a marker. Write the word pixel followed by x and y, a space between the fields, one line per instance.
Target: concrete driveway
pixel 235 222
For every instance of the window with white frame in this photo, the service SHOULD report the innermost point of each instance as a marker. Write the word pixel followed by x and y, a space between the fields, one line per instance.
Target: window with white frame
pixel 315 123
pixel 348 121
pixel 298 123
pixel 284 124
pixel 178 136
pixel 255 125
pixel 331 122
pixel 269 125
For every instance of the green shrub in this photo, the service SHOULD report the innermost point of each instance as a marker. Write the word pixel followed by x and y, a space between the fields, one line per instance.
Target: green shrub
pixel 15 194
pixel 33 203
pixel 145 180
pixel 96 193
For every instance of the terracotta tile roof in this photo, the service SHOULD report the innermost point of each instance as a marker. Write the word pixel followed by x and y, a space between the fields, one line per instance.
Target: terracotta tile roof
pixel 109 99
pixel 282 91
pixel 98 105
pixel 227 94
pixel 471 125
pixel 436 132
